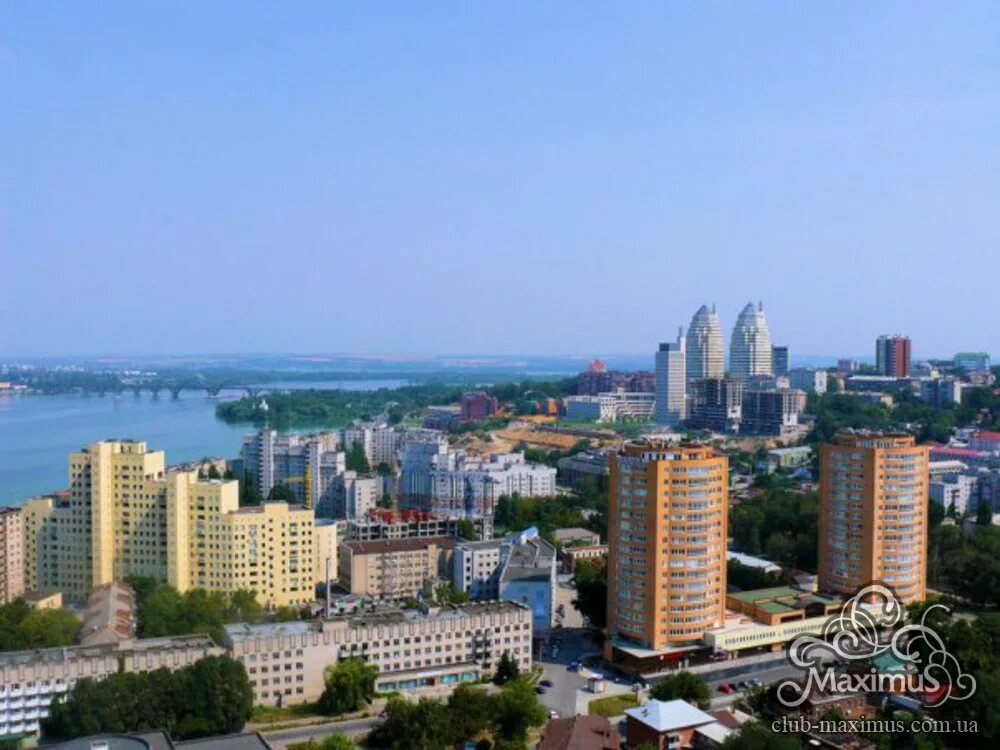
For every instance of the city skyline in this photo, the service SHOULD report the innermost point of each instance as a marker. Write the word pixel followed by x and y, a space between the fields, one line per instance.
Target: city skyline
pixel 308 178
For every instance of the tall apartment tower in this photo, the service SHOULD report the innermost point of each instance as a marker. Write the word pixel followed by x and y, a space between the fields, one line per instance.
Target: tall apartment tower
pixel 666 544
pixel 11 554
pixel 892 355
pixel 671 391
pixel 873 513
pixel 750 347
pixel 705 358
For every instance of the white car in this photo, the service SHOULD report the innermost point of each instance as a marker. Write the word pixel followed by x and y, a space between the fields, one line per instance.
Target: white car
pixel 553 714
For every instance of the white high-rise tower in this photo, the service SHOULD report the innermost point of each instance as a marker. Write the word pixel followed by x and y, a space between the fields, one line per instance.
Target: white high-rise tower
pixel 671 391
pixel 705 358
pixel 750 348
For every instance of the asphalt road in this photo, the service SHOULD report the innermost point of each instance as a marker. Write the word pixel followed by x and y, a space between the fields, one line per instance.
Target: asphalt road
pixel 285 737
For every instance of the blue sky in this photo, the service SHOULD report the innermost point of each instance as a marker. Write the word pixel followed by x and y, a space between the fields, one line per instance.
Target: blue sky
pixel 495 177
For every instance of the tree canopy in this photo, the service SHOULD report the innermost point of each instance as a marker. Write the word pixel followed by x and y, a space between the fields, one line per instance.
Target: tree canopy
pixel 349 686
pixel 212 696
pixel 23 627
pixel 684 686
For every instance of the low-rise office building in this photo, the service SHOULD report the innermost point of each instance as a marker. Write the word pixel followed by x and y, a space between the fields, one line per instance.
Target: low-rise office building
pixel 413 524
pixel 31 680
pixel 394 568
pixel 520 567
pixel 412 648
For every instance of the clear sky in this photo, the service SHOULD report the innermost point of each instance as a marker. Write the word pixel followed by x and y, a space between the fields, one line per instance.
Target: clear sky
pixel 501 177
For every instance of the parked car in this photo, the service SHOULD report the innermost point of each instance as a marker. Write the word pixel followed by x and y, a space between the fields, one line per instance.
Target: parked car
pixel 546 683
pixel 540 690
pixel 573 666
pixel 553 714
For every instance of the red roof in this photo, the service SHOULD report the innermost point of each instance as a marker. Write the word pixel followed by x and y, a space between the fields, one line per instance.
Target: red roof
pixel 986 435
pixel 947 450
pixel 597 366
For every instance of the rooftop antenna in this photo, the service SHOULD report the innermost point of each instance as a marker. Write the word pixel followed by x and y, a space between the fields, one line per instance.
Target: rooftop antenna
pixel 264 408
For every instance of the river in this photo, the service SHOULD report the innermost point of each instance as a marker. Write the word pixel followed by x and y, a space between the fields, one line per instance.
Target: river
pixel 37 433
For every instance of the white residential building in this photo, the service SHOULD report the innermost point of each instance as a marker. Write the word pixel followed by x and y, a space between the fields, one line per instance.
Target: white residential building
pixel 750 347
pixel 705 357
pixel 671 388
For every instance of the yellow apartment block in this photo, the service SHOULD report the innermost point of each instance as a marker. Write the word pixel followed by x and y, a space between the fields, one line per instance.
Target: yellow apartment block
pixel 873 513
pixel 126 514
pixel 666 545
pixel 11 554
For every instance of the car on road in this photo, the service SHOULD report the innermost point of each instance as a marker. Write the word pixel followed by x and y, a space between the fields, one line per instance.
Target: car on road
pixel 573 666
pixel 546 683
pixel 726 688
pixel 553 714
pixel 540 690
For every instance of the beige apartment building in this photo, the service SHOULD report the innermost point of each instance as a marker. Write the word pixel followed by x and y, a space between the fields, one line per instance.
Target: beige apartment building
pixel 126 513
pixel 395 567
pixel 11 554
pixel 666 547
pixel 412 649
pixel 873 513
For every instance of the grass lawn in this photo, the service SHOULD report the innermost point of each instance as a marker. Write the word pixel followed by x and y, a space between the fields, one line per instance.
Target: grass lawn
pixel 613 705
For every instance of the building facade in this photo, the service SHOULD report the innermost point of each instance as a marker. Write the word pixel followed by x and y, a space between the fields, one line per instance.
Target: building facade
pixel 666 544
pixel 779 360
pixel 671 389
pixel 31 680
pixel 717 404
pixel 771 412
pixel 705 357
pixel 808 379
pixel 873 513
pixel 393 568
pixel 127 514
pixel 477 405
pixel 892 355
pixel 750 347
pixel 412 649
pixel 12 575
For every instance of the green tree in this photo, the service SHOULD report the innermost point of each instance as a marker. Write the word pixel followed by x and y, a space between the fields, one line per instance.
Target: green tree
pixel 22 627
pixel 424 725
pixel 447 593
pixel 684 686
pixel 467 530
pixel 356 460
pixel 591 582
pixel 212 696
pixel 282 492
pixel 348 686
pixel 338 742
pixel 470 709
pixel 507 669
pixel 516 710
pixel 984 513
pixel 249 491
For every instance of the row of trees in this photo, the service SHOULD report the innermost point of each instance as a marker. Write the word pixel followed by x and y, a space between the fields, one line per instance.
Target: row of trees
pixel 967 564
pixel 470 714
pixel 23 627
pixel 212 696
pixel 163 610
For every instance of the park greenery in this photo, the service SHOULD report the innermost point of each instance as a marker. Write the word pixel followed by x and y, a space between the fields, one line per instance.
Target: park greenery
pixel 315 408
pixel 471 714
pixel 966 563
pixel 836 411
pixel 22 627
pixel 212 696
pixel 779 523
pixel 348 686
pixel 164 611
pixel 506 670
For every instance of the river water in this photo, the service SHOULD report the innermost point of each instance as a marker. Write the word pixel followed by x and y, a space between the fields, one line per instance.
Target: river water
pixel 37 433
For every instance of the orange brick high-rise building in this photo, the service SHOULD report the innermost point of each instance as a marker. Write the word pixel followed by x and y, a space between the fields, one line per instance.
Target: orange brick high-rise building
pixel 873 513
pixel 667 523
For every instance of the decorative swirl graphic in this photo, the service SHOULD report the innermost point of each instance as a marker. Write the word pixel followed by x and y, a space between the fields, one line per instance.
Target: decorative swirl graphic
pixel 852 635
